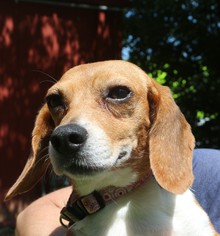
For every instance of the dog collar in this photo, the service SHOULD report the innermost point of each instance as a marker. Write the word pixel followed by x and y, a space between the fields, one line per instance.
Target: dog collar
pixel 78 208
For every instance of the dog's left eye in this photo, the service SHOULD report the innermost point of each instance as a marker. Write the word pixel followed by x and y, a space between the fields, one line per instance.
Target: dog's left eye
pixel 54 101
pixel 119 93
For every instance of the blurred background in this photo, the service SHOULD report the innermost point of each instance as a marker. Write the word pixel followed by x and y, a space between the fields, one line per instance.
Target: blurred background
pixel 176 42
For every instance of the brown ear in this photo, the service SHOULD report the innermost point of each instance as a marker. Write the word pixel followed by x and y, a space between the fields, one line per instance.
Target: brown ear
pixel 171 141
pixel 38 161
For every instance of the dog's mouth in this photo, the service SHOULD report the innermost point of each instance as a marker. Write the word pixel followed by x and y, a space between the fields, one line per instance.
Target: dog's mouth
pixel 122 155
pixel 88 168
pixel 79 165
pixel 83 169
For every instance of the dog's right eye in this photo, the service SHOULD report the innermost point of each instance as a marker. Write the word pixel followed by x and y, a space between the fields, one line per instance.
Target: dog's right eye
pixel 119 93
pixel 54 101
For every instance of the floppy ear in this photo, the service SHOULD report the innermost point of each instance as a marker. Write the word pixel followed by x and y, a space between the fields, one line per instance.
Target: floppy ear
pixel 38 161
pixel 171 141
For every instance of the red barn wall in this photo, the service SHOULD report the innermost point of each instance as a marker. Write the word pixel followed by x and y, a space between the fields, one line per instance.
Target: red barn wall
pixel 50 39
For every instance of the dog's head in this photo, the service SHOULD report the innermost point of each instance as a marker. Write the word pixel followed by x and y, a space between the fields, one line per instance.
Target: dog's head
pixel 106 117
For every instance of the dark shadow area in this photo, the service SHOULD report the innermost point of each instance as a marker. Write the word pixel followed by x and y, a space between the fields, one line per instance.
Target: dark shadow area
pixel 50 39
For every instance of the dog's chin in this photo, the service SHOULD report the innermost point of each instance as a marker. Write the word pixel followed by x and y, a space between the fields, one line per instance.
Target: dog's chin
pixel 72 169
pixel 83 170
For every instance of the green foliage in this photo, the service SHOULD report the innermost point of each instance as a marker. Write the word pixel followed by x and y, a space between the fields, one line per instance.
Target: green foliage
pixel 178 43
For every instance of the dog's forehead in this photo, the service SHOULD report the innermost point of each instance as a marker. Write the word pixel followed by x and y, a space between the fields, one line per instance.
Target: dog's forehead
pixel 103 72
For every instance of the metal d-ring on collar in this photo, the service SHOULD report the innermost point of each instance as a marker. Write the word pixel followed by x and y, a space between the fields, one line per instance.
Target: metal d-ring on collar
pixel 78 209
pixel 82 207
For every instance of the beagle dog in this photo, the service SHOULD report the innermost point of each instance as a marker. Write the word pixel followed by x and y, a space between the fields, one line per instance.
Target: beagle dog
pixel 126 148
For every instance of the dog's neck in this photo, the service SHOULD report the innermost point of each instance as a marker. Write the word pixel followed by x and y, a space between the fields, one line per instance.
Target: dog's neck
pixel 79 206
pixel 87 184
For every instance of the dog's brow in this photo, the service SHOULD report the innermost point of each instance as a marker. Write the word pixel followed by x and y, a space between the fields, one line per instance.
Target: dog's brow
pixel 53 91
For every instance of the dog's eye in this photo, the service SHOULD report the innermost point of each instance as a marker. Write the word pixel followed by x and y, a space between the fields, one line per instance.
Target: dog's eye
pixel 54 101
pixel 119 93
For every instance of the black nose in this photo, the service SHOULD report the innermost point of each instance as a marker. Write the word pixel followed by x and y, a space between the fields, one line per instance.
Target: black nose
pixel 69 138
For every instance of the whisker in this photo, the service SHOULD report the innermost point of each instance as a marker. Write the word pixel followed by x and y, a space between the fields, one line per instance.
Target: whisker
pixel 43 150
pixel 49 81
pixel 39 159
pixel 44 73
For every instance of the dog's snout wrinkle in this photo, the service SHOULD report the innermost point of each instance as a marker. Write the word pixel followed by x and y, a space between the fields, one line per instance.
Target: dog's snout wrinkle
pixel 69 138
